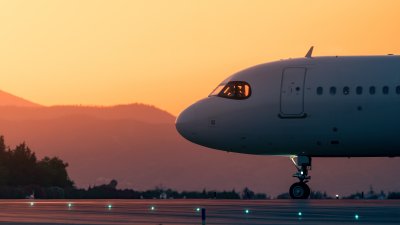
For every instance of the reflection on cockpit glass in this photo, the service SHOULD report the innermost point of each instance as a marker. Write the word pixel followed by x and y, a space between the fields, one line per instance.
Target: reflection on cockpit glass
pixel 217 90
pixel 233 90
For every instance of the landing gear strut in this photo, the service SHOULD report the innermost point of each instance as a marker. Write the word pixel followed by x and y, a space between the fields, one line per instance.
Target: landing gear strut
pixel 300 190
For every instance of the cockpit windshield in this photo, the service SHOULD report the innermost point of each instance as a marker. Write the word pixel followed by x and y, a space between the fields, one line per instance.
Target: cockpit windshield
pixel 233 90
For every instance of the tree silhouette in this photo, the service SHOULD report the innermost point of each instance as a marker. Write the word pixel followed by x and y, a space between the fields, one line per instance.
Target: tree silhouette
pixel 247 193
pixel 20 167
pixel 52 172
pixel 4 171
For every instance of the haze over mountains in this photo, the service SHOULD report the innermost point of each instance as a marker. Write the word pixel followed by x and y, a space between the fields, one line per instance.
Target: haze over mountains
pixel 138 145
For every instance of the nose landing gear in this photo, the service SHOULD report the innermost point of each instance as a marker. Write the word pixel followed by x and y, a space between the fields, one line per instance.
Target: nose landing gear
pixel 300 190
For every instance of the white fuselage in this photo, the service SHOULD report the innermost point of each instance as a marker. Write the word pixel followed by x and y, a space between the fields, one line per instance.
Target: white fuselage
pixel 322 106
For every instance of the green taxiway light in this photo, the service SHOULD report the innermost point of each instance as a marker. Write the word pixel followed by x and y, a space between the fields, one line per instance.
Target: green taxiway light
pixel 356 216
pixel 198 209
pixel 247 211
pixel 109 206
pixel 299 213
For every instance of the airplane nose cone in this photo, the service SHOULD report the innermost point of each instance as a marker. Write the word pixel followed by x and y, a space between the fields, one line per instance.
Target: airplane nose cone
pixel 184 123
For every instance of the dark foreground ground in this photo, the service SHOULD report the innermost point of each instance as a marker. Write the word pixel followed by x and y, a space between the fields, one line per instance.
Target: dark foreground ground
pixel 156 212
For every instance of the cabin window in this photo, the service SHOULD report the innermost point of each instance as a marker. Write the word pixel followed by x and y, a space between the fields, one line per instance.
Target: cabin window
pixel 346 90
pixel 385 90
pixel 372 90
pixel 233 90
pixel 359 90
pixel 398 90
pixel 320 90
pixel 332 90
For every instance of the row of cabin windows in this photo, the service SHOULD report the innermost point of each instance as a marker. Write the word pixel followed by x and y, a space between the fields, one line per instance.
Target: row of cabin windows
pixel 359 90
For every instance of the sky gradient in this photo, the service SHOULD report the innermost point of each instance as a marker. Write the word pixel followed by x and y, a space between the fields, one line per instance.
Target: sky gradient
pixel 172 53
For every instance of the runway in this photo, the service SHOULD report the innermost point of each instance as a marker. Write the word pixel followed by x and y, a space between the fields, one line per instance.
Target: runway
pixel 157 212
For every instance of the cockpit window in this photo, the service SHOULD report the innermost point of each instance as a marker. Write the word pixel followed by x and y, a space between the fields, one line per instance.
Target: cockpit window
pixel 217 90
pixel 233 90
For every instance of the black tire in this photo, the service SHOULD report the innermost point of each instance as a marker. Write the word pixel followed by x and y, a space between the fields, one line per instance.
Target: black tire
pixel 299 190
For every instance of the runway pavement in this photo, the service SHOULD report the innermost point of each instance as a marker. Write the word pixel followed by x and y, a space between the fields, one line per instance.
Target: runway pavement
pixel 157 212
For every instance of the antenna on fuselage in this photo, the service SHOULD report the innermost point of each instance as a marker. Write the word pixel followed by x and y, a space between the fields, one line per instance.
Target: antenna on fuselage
pixel 309 53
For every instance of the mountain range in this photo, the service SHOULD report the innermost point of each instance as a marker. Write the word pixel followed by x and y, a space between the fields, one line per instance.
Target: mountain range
pixel 138 145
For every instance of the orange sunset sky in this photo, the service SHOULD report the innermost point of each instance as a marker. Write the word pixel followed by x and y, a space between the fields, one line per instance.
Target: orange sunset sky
pixel 171 53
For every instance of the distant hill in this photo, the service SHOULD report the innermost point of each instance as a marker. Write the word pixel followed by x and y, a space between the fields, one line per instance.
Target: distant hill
pixel 138 145
pixel 137 112
pixel 7 99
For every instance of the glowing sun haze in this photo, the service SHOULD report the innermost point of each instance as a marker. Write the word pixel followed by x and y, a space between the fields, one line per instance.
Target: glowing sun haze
pixel 171 53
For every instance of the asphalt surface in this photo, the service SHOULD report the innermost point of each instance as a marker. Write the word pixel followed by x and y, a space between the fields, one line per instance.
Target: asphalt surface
pixel 157 212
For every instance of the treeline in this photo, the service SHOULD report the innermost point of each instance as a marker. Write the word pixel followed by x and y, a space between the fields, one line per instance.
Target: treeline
pixel 110 191
pixel 371 194
pixel 22 174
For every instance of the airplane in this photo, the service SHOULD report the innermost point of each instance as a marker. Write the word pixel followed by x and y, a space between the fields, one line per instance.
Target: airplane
pixel 329 106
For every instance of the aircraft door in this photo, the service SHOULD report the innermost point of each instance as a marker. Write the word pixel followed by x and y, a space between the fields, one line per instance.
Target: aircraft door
pixel 292 93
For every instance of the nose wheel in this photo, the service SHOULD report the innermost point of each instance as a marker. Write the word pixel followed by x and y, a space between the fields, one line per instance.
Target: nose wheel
pixel 300 190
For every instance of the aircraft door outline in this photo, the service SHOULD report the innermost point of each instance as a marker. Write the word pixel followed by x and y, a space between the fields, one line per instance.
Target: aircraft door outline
pixel 292 93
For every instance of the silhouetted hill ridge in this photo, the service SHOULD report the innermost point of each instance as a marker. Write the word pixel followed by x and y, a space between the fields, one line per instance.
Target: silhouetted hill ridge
pixel 7 99
pixel 139 112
